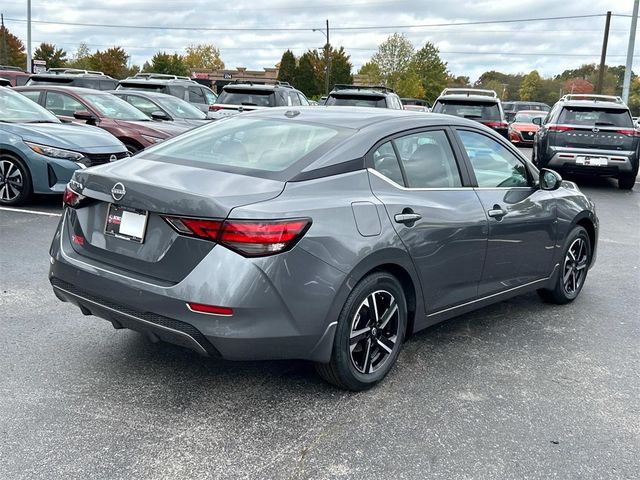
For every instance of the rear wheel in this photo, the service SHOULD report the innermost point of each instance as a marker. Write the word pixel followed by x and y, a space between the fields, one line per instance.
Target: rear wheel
pixel 626 182
pixel 370 332
pixel 15 181
pixel 575 265
pixel 132 147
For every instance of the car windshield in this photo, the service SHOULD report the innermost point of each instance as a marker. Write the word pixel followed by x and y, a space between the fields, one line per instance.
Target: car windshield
pixel 18 108
pixel 527 117
pixel 596 117
pixel 110 106
pixel 246 145
pixel 254 98
pixel 472 110
pixel 180 109
pixel 356 101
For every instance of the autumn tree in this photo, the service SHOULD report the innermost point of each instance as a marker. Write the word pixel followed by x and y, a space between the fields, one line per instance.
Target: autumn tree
pixel 430 70
pixel 531 86
pixel 577 85
pixel 459 81
pixel 55 57
pixel 113 62
pixel 287 70
pixel 203 56
pixel 12 51
pixel 166 63
pixel 393 58
pixel 634 96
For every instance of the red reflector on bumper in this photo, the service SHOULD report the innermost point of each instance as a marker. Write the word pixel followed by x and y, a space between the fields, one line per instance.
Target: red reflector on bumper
pixel 210 309
pixel 77 239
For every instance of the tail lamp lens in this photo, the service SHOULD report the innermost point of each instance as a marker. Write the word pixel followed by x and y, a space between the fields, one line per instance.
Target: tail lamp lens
pixel 559 128
pixel 249 238
pixel 210 309
pixel 71 198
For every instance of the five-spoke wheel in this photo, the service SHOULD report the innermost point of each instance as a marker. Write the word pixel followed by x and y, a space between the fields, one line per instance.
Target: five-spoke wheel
pixel 14 181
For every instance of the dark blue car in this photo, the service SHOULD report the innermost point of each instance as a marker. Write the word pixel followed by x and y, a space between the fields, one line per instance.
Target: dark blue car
pixel 38 153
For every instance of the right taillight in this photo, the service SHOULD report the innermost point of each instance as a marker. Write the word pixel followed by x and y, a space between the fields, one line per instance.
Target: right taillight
pixel 559 128
pixel 215 108
pixel 71 198
pixel 248 237
pixel 631 132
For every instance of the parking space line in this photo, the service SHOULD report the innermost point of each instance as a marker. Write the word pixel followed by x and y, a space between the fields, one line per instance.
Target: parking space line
pixel 35 212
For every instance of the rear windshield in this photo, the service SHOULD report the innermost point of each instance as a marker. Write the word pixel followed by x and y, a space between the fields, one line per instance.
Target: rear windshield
pixel 156 87
pixel 254 98
pixel 472 110
pixel 527 117
pixel 250 146
pixel 49 81
pixel 356 101
pixel 596 117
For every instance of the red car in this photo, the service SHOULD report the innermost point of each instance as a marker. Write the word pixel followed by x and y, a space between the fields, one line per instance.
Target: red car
pixel 522 129
pixel 96 107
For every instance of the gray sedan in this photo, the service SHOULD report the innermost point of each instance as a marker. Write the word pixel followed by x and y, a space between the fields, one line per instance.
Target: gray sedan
pixel 325 234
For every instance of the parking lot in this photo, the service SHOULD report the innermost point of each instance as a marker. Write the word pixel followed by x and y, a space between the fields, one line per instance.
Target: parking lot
pixel 521 389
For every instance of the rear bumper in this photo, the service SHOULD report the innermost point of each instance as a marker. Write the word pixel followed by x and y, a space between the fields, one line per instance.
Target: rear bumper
pixel 272 318
pixel 618 163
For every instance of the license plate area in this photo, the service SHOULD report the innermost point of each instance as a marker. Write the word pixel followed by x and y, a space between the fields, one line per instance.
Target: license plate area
pixel 592 161
pixel 126 223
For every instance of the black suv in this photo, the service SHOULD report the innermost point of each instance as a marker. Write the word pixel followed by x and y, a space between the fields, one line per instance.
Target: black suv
pixel 511 108
pixel 182 87
pixel 241 97
pixel 473 103
pixel 364 96
pixel 72 77
pixel 589 134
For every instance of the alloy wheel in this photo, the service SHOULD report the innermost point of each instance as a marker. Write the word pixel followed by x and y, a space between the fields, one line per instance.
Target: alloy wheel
pixel 11 181
pixel 374 332
pixel 575 266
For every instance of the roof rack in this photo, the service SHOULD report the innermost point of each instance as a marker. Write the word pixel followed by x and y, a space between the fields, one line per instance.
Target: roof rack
pixel 159 76
pixel 11 67
pixel 72 71
pixel 277 83
pixel 469 91
pixel 591 96
pixel 343 86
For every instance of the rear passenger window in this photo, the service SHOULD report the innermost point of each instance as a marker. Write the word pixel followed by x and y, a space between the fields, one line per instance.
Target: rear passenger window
pixel 196 95
pixel 386 163
pixel 428 160
pixel 295 100
pixel 62 104
pixel 303 99
pixel 493 164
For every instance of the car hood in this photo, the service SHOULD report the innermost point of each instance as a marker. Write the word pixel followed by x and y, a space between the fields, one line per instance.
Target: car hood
pixel 70 136
pixel 151 128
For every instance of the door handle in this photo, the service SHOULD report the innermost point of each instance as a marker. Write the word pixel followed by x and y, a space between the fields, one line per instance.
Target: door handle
pixel 407 218
pixel 496 212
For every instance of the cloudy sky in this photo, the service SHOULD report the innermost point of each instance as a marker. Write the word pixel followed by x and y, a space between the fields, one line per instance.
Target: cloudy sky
pixel 254 34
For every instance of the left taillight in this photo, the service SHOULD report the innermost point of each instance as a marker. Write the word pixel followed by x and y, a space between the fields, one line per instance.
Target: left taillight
pixel 247 237
pixel 71 198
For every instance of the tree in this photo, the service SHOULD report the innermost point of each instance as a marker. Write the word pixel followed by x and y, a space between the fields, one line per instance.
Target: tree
pixel 459 81
pixel 203 56
pixel 393 58
pixel 112 62
pixel 167 63
pixel 634 96
pixel 12 50
pixel 55 57
pixel 340 71
pixel 577 85
pixel 287 71
pixel 82 58
pixel 411 86
pixel 372 73
pixel 531 86
pixel 501 82
pixel 430 69
pixel 305 79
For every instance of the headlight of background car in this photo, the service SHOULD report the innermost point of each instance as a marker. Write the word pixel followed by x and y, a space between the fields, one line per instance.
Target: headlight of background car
pixel 54 152
pixel 152 139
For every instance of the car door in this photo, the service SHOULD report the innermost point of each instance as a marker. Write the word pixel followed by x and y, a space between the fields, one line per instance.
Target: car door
pixel 436 214
pixel 521 216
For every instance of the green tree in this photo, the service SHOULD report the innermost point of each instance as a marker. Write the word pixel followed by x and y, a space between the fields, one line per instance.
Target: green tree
pixel 305 79
pixel 55 57
pixel 340 71
pixel 634 96
pixel 287 71
pixel 393 58
pixel 509 83
pixel 112 62
pixel 431 70
pixel 167 63
pixel 12 50
pixel 531 87
pixel 459 81
pixel 82 58
pixel 372 73
pixel 411 86
pixel 203 56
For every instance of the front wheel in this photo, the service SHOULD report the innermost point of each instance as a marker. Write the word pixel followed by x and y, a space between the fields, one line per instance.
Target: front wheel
pixel 371 329
pixel 575 265
pixel 15 181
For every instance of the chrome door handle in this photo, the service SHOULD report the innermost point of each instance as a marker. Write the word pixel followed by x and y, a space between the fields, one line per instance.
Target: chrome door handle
pixel 407 217
pixel 496 212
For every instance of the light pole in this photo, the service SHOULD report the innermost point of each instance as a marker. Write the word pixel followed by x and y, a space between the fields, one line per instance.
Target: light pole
pixel 326 57
pixel 29 36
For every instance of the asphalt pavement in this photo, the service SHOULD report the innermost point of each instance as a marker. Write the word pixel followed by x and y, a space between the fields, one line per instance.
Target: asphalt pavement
pixel 518 390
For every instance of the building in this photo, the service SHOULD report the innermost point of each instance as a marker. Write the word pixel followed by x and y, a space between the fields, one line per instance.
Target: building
pixel 222 77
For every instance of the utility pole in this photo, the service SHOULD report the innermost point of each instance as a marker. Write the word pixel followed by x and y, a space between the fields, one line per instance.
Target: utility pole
pixel 632 40
pixel 29 36
pixel 4 58
pixel 603 56
pixel 328 61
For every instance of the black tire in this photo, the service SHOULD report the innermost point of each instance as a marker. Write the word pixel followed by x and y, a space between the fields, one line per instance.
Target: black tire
pixel 355 368
pixel 14 177
pixel 574 267
pixel 132 148
pixel 626 182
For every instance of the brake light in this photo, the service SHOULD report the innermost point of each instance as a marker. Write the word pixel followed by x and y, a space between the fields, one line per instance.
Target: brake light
pixel 215 108
pixel 630 132
pixel 210 309
pixel 559 128
pixel 496 124
pixel 70 198
pixel 247 237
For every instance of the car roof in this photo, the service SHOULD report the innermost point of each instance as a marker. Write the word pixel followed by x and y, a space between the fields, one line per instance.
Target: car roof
pixel 140 93
pixel 467 98
pixel 593 104
pixel 63 88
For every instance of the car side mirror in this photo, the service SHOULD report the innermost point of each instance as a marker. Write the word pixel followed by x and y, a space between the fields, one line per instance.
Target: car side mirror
pixel 85 115
pixel 160 115
pixel 549 179
pixel 537 121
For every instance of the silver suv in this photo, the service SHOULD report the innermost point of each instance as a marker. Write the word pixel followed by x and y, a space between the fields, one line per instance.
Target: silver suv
pixel 364 96
pixel 241 96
